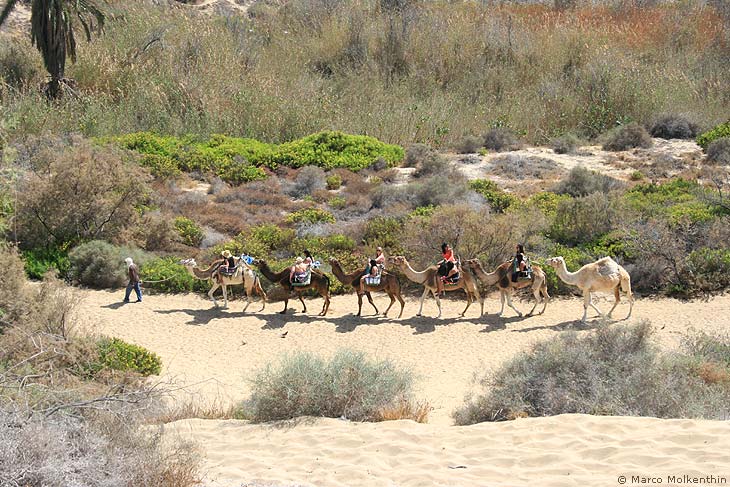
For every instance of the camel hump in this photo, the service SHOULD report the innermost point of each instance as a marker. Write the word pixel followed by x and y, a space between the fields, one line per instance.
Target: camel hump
pixel 607 266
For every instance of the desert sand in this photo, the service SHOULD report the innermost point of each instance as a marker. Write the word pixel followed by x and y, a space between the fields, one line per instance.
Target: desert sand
pixel 212 352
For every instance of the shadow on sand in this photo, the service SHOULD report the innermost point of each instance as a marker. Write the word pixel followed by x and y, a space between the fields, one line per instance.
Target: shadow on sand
pixel 205 316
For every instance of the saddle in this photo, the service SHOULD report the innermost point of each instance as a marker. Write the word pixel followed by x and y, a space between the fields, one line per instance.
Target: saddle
pixel 451 281
pixel 302 279
pixel 521 276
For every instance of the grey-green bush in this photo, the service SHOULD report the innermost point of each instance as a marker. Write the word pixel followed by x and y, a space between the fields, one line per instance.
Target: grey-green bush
pixel 348 385
pixel 582 182
pixel 99 264
pixel 565 144
pixel 719 151
pixel 469 144
pixel 627 137
pixel 672 126
pixel 500 139
pixel 614 371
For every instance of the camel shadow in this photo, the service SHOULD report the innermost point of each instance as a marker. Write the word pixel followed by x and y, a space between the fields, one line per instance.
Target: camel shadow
pixel 428 324
pixel 494 322
pixel 348 323
pixel 574 325
pixel 204 316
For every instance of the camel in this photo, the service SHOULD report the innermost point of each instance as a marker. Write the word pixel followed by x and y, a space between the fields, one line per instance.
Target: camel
pixel 388 283
pixel 428 278
pixel 502 277
pixel 318 281
pixel 603 275
pixel 245 275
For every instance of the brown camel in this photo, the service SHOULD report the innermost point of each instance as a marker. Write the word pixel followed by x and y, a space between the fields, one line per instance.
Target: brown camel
pixel 245 275
pixel 602 275
pixel 428 278
pixel 388 283
pixel 317 281
pixel 502 277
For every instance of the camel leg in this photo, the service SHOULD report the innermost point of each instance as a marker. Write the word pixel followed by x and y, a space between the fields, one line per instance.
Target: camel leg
pixel 370 299
pixel 438 301
pixel 502 292
pixel 225 295
pixel 509 303
pixel 402 304
pixel 617 297
pixel 631 306
pixel 545 298
pixel 426 290
pixel 249 293
pixel 359 304
pixel 392 300
pixel 286 302
pixel 303 303
pixel 212 290
pixel 326 305
pixel 468 302
pixel 262 293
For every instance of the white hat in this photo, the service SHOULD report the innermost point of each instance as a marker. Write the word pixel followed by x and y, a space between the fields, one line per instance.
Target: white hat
pixel 128 260
pixel 299 260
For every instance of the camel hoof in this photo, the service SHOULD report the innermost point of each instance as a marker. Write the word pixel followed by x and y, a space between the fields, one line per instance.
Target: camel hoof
pixel 418 314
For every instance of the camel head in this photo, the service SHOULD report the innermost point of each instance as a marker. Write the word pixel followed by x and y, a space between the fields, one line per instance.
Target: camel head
pixel 333 261
pixel 188 263
pixel 555 262
pixel 473 264
pixel 398 261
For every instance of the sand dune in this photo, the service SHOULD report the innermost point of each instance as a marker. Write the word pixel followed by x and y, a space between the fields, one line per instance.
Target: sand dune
pixel 213 352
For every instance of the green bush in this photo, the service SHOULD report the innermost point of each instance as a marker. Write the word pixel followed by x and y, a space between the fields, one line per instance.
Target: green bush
pixel 337 202
pixel 310 215
pixel 117 354
pixel 41 260
pixel 582 220
pixel 546 202
pixel 173 276
pixel 385 231
pixel 710 268
pixel 674 200
pixel 334 182
pixel 99 264
pixel 497 198
pixel 722 130
pixel 189 231
pixel 348 385
pixel 162 167
pixel 614 371
pixel 331 150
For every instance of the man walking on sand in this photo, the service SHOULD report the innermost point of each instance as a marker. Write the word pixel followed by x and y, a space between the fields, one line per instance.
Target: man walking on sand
pixel 133 281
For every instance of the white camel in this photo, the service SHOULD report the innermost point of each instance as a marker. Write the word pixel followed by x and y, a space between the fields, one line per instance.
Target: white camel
pixel 604 275
pixel 244 275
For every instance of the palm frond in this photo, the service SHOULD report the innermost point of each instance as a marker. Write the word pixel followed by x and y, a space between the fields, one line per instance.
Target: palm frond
pixel 6 10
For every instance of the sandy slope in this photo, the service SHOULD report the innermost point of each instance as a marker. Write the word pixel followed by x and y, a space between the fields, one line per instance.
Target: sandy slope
pixel 215 351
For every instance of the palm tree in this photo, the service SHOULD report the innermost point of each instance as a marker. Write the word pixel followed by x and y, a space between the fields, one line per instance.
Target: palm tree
pixel 52 31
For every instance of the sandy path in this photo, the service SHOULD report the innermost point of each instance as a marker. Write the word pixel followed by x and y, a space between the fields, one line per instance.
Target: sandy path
pixel 215 351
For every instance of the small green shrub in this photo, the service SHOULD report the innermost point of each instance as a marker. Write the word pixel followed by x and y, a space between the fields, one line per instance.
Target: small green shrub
pixel 347 385
pixel 675 200
pixel 99 264
pixel 386 232
pixel 710 268
pixel 636 176
pixel 172 277
pixel 497 198
pixel 722 130
pixel 162 167
pixel 627 137
pixel 614 371
pixel 41 260
pixel 719 151
pixel 117 354
pixel 547 202
pixel 706 346
pixel 310 215
pixel 334 182
pixel 582 220
pixel 189 231
pixel 337 202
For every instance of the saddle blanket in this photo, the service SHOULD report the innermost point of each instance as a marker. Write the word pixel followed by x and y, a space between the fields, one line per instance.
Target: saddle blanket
pixel 451 281
pixel 372 280
pixel 302 279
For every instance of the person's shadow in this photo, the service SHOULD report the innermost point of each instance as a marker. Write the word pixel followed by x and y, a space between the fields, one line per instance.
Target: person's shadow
pixel 117 305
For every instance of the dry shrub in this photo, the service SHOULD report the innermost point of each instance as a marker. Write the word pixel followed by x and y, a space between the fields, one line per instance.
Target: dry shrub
pixel 417 411
pixel 718 151
pixel 308 180
pixel 713 373
pixel 627 137
pixel 582 182
pixel 416 153
pixel 348 385
pixel 155 232
pixel 614 371
pixel 78 191
pixel 672 126
pixel 501 139
pixel 565 144
pixel 190 409
pixel 519 167
pixel 469 144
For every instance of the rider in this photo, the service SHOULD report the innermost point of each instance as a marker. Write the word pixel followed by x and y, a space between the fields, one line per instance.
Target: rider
pixel 447 266
pixel 374 268
pixel 519 262
pixel 300 267
pixel 229 263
